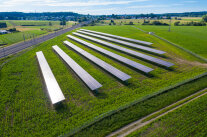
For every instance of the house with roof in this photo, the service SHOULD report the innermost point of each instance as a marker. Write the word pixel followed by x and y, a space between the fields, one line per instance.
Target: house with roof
pixel 3 32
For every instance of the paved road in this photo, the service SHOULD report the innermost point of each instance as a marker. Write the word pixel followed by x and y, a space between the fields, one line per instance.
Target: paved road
pixel 23 45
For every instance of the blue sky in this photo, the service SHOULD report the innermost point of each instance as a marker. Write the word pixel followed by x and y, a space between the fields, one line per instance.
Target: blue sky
pixel 99 7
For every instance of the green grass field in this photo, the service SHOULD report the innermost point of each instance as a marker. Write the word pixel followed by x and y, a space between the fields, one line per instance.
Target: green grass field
pixel 38 28
pixel 18 37
pixel 12 23
pixel 192 38
pixel 26 111
pixel 189 120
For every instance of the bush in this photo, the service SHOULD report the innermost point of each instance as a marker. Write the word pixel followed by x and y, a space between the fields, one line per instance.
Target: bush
pixel 13 30
pixel 205 18
pixel 3 25
pixel 202 23
pixel 130 23
pixel 154 23
pixel 177 23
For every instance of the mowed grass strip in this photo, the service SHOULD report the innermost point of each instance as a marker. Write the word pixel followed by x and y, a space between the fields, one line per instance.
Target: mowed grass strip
pixel 25 109
pixel 192 38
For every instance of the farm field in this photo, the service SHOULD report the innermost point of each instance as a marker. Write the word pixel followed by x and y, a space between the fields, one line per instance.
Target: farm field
pixel 192 38
pixel 140 21
pixel 18 36
pixel 189 120
pixel 12 23
pixel 192 18
pixel 29 29
pixel 25 109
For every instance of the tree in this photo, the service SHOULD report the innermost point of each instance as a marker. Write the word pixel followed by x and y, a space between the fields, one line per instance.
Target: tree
pixel 50 23
pixel 205 18
pixel 3 25
pixel 177 23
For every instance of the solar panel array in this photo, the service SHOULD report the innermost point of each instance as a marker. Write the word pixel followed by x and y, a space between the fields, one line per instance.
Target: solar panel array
pixel 124 43
pixel 122 59
pixel 128 51
pixel 109 68
pixel 119 37
pixel 52 86
pixel 82 74
pixel 53 89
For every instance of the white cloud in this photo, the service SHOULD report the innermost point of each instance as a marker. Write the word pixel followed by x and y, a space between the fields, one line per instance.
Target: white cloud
pixel 148 6
pixel 155 6
pixel 56 3
pixel 92 3
pixel 191 1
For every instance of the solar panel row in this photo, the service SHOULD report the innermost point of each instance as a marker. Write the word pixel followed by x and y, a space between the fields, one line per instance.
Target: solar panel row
pixel 113 55
pixel 151 50
pixel 128 51
pixel 119 37
pixel 109 68
pixel 53 89
pixel 82 74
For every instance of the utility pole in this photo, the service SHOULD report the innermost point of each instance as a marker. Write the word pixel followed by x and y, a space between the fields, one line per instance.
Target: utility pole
pixel 23 37
pixel 170 25
pixel 3 50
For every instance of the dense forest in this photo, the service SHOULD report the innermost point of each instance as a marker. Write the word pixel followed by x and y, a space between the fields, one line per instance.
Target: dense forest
pixel 76 17
pixel 38 16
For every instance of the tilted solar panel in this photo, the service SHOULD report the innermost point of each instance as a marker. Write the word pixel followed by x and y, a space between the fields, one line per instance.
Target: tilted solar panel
pixel 122 59
pixel 53 89
pixel 107 67
pixel 143 48
pixel 82 74
pixel 128 51
pixel 120 37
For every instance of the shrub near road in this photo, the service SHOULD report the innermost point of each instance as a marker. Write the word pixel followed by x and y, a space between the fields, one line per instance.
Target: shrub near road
pixel 26 111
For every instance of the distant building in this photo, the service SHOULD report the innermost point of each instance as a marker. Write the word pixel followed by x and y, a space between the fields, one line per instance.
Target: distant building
pixel 3 32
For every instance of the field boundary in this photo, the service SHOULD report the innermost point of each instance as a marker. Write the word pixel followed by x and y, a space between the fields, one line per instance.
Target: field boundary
pixel 186 50
pixel 104 115
pixel 176 45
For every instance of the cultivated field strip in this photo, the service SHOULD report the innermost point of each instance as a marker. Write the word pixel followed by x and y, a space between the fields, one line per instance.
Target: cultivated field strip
pixel 109 68
pixel 119 37
pixel 143 48
pixel 122 59
pixel 83 75
pixel 51 84
pixel 128 51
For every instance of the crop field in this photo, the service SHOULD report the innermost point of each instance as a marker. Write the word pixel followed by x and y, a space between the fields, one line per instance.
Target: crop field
pixel 34 28
pixel 17 37
pixel 12 23
pixel 192 18
pixel 25 109
pixel 140 21
pixel 192 38
pixel 189 120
